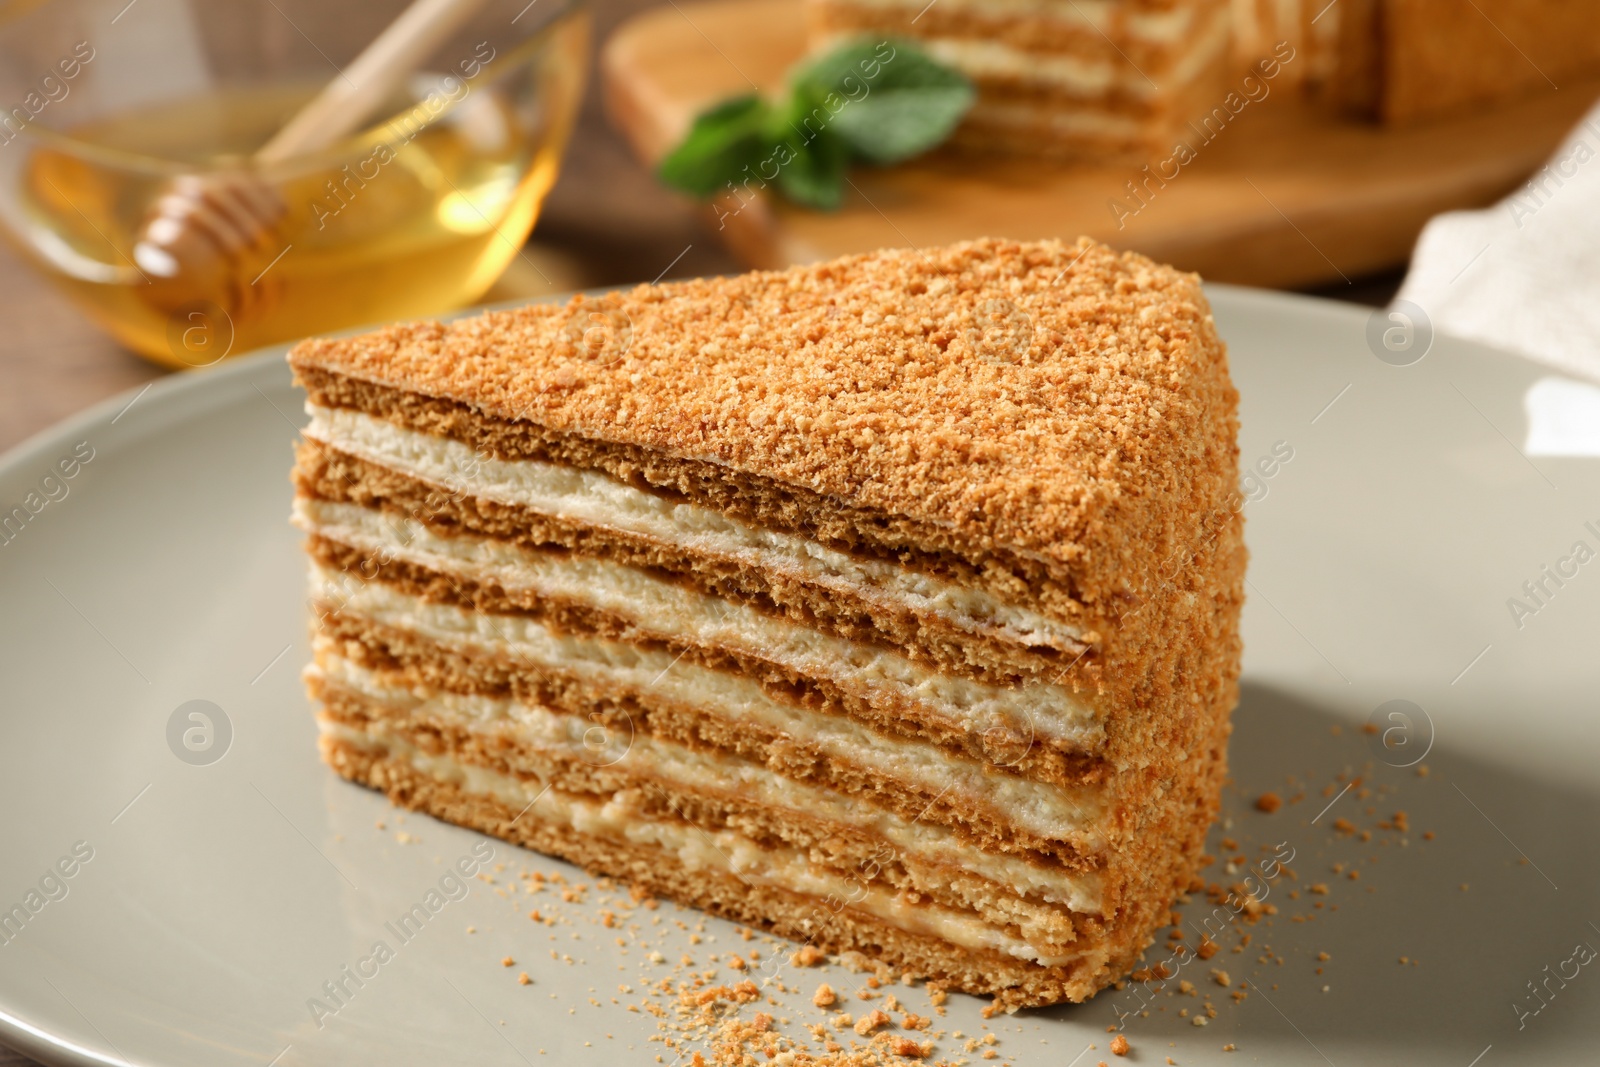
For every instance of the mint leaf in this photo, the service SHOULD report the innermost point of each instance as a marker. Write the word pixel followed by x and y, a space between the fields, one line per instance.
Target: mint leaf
pixel 872 100
pixel 895 126
pixel 722 142
pixel 846 66
pixel 813 172
pixel 891 100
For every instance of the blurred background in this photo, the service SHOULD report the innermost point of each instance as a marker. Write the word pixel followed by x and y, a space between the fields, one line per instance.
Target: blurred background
pixel 1308 163
pixel 606 221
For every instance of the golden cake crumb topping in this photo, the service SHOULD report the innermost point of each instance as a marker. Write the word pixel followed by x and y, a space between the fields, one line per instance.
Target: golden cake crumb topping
pixel 1060 399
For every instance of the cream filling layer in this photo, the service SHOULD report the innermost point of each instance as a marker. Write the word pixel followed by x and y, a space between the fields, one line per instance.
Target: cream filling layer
pixel 1043 809
pixel 723 851
pixel 618 664
pixel 982 59
pixel 666 611
pixel 1155 27
pixel 600 500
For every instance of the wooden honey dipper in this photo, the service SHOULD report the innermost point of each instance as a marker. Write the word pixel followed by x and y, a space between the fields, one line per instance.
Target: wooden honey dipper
pixel 206 231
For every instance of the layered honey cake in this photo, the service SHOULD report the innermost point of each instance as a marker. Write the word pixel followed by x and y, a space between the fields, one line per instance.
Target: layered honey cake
pixel 1095 79
pixel 1408 61
pixel 1303 35
pixel 890 604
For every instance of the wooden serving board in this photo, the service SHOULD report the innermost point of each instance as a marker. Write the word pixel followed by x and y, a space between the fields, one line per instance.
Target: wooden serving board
pixel 1285 196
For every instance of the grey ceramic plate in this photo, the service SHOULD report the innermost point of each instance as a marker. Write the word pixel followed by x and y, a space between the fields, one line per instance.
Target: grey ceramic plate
pixel 232 878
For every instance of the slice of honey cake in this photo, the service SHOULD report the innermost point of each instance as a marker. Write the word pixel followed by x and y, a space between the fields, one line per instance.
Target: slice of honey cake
pixel 1096 79
pixel 889 604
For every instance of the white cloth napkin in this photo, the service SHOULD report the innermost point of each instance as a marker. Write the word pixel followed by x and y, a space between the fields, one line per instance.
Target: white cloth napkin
pixel 1524 276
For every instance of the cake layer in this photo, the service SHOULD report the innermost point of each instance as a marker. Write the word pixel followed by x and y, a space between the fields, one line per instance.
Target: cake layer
pixel 1156 21
pixel 667 693
pixel 836 851
pixel 579 755
pixel 498 577
pixel 595 499
pixel 1018 728
pixel 1095 72
pixel 933 622
pixel 1149 37
pixel 573 595
pixel 863 405
pixel 724 851
pixel 1167 741
pixel 857 614
pixel 833 923
pixel 916 781
pixel 1308 29
pixel 936 552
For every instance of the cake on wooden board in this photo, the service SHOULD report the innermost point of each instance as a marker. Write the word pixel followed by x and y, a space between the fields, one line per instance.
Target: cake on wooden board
pixel 1119 79
pixel 1093 80
pixel 889 604
pixel 1404 61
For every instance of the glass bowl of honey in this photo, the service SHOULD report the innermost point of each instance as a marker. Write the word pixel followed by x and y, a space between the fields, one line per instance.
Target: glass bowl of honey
pixel 109 106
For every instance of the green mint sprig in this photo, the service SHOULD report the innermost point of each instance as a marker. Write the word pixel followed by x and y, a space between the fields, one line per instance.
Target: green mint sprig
pixel 876 102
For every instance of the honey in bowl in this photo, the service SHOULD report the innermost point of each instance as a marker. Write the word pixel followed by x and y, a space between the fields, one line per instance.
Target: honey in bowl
pixel 419 215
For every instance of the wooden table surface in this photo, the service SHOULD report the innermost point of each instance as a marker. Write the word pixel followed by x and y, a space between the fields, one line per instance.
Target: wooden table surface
pixel 607 222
